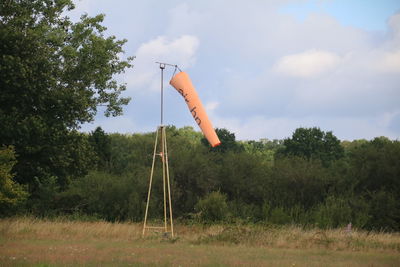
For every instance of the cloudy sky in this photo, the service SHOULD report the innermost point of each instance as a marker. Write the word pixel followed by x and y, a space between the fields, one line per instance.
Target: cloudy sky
pixel 261 68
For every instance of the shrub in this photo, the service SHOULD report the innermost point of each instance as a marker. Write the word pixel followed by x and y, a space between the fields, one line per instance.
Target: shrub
pixel 384 212
pixel 279 216
pixel 105 196
pixel 12 194
pixel 213 207
pixel 334 212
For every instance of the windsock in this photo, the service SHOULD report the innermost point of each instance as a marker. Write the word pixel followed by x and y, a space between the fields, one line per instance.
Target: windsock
pixel 182 83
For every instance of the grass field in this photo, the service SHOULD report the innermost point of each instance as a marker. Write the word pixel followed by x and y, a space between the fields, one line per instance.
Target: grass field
pixel 33 242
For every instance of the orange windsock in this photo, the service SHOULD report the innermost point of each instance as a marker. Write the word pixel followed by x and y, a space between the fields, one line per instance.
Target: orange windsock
pixel 182 83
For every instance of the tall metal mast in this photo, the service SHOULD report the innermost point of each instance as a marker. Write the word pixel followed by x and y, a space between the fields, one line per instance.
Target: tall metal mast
pixel 163 153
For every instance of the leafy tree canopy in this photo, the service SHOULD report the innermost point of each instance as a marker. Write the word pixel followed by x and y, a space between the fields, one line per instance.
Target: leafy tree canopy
pixel 312 143
pixel 54 74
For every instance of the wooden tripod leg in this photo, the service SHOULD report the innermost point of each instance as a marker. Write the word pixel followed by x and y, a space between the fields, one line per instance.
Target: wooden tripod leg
pixel 169 186
pixel 151 181
pixel 164 178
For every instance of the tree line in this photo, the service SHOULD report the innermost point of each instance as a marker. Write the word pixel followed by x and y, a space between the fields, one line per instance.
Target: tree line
pixel 310 179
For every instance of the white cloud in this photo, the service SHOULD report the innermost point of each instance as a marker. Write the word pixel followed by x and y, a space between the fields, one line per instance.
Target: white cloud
pixel 389 62
pixel 394 27
pixel 307 64
pixel 356 78
pixel 388 118
pixel 180 51
pixel 211 106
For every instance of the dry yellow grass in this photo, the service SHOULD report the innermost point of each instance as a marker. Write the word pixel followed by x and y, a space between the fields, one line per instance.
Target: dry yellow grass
pixel 27 228
pixel 29 241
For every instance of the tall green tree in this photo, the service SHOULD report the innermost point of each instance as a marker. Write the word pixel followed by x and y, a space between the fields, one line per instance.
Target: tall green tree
pixel 54 74
pixel 312 143
pixel 101 144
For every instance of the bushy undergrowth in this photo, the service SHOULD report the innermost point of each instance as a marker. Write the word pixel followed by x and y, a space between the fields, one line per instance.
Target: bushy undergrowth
pixel 213 208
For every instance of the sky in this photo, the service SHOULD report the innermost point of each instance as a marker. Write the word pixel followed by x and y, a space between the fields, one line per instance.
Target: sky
pixel 262 68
